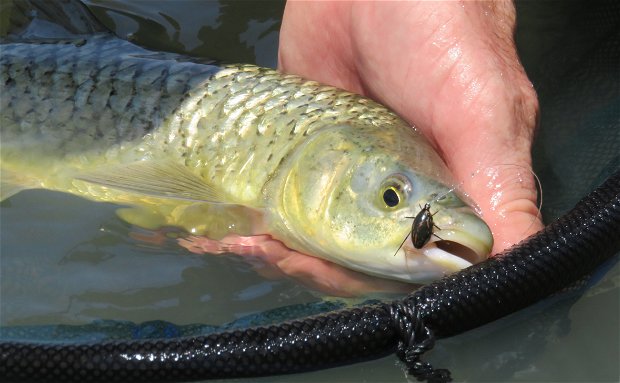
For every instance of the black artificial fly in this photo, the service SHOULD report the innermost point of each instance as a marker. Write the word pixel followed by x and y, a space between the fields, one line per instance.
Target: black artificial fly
pixel 421 228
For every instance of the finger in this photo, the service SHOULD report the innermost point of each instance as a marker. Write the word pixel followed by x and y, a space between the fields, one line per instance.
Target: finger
pixel 507 197
pixel 492 139
pixel 315 42
pixel 337 280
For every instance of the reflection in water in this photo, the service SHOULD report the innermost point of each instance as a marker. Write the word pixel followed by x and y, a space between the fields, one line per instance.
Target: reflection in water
pixel 84 265
pixel 232 31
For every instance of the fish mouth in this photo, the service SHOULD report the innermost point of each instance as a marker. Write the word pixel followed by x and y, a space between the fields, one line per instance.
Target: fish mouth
pixel 452 256
pixel 453 249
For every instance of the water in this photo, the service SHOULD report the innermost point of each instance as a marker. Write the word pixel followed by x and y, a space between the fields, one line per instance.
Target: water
pixel 65 260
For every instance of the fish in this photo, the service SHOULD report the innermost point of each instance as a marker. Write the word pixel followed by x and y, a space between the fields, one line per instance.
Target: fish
pixel 215 150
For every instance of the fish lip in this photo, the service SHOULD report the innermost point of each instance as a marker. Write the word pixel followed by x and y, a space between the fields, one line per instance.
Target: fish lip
pixel 455 250
pixel 467 254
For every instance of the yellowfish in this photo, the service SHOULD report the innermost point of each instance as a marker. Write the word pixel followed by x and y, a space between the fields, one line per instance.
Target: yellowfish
pixel 216 150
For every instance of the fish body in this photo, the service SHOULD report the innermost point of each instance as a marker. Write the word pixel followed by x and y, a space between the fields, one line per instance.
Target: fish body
pixel 185 143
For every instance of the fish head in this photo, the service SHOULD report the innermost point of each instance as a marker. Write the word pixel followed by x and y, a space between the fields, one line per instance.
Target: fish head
pixel 351 195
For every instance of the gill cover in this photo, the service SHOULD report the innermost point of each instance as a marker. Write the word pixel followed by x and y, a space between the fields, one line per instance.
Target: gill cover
pixel 331 200
pixel 318 168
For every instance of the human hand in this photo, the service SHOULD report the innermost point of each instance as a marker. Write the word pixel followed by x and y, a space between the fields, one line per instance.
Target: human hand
pixel 449 68
pixel 271 259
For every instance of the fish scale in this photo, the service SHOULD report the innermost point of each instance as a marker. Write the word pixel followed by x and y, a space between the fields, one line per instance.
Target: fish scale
pixel 92 92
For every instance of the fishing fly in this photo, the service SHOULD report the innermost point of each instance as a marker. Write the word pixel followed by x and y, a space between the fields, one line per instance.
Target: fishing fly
pixel 423 224
pixel 421 228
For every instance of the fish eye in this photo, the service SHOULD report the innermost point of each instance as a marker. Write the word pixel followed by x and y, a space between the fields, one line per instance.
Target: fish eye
pixel 390 197
pixel 395 190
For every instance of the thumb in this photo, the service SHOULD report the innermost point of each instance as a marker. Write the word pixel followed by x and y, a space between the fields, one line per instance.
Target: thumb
pixel 507 198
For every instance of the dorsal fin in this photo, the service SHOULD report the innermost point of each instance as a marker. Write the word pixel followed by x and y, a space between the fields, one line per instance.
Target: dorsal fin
pixel 44 19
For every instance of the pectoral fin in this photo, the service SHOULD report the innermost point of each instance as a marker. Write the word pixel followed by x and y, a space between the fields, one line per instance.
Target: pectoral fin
pixel 8 189
pixel 12 183
pixel 156 179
